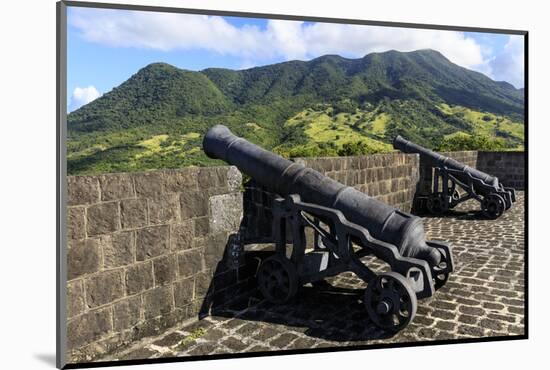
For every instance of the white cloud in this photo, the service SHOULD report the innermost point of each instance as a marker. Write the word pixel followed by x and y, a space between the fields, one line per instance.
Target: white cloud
pixel 165 31
pixel 281 39
pixel 306 40
pixel 82 96
pixel 509 64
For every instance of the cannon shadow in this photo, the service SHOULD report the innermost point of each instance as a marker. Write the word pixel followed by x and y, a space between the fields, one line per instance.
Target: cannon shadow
pixel 331 310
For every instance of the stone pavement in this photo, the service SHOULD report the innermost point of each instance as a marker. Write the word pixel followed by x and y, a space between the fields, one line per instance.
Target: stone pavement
pixel 483 298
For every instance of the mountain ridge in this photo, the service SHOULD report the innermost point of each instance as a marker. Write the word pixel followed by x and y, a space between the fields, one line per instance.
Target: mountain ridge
pixel 418 94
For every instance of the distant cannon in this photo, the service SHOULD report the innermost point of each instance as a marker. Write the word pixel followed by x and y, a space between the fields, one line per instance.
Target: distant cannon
pixel 486 189
pixel 347 225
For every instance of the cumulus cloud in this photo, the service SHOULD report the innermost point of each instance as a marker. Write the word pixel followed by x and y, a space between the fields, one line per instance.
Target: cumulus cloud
pixel 166 31
pixel 305 40
pixel 509 64
pixel 82 96
pixel 280 39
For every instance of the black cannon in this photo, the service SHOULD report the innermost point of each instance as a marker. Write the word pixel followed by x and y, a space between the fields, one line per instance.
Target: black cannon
pixel 486 189
pixel 347 226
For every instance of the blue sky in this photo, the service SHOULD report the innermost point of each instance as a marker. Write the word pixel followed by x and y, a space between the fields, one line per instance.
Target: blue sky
pixel 105 47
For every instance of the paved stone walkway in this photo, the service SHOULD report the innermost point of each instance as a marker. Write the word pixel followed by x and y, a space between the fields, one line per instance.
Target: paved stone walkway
pixel 483 298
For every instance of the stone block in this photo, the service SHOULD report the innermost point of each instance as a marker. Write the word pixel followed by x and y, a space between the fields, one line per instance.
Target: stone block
pixel 370 175
pixel 194 204
pixel 214 249
pixel 181 235
pixel 234 179
pixel 133 213
pixel 355 162
pixel 352 178
pixel 103 218
pixel 165 268
pixel 104 288
pixel 221 173
pixel 83 257
pixel 203 285
pixel 75 298
pixel 139 278
pixel 88 327
pixel 116 187
pixel 164 209
pixel 82 190
pixel 157 302
pixel 183 292
pixel 119 249
pixel 182 180
pixel 190 263
pixel 210 177
pixel 201 226
pixel 126 313
pixel 152 241
pixel 149 184
pixel 76 228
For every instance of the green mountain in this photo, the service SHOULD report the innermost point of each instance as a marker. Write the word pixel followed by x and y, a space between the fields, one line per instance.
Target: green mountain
pixel 327 106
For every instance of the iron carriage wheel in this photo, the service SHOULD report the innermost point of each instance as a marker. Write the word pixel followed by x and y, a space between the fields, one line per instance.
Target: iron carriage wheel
pixel 390 301
pixel 493 206
pixel 437 204
pixel 277 279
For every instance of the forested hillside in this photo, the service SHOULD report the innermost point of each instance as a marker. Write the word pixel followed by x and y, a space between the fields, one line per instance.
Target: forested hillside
pixel 327 106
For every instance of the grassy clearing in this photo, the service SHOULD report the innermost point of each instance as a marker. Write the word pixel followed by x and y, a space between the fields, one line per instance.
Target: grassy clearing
pixel 87 151
pixel 151 146
pixel 191 135
pixel 322 127
pixel 166 145
pixel 488 124
pixel 378 125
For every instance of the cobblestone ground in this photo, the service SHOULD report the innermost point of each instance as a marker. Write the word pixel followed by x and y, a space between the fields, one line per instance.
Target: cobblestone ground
pixel 483 298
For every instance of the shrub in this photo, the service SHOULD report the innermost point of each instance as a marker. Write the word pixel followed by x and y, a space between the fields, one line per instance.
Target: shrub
pixel 463 141
pixel 355 148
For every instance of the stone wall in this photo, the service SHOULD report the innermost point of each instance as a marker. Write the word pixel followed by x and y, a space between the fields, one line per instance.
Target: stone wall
pixel 509 167
pixel 143 252
pixel 148 250
pixel 391 178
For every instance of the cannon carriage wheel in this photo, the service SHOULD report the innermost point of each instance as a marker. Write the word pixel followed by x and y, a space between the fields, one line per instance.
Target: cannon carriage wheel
pixel 493 206
pixel 390 301
pixel 277 279
pixel 437 204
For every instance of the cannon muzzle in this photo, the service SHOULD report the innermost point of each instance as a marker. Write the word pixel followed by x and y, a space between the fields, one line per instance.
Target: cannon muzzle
pixel 284 177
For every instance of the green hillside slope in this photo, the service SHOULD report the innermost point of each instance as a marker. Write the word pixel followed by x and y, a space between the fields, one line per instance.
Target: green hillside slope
pixel 327 106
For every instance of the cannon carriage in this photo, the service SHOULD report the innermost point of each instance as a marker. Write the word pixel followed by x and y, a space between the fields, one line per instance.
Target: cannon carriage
pixel 450 175
pixel 347 226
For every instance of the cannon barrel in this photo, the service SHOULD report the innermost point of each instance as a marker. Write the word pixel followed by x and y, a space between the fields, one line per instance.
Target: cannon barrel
pixel 407 146
pixel 284 177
